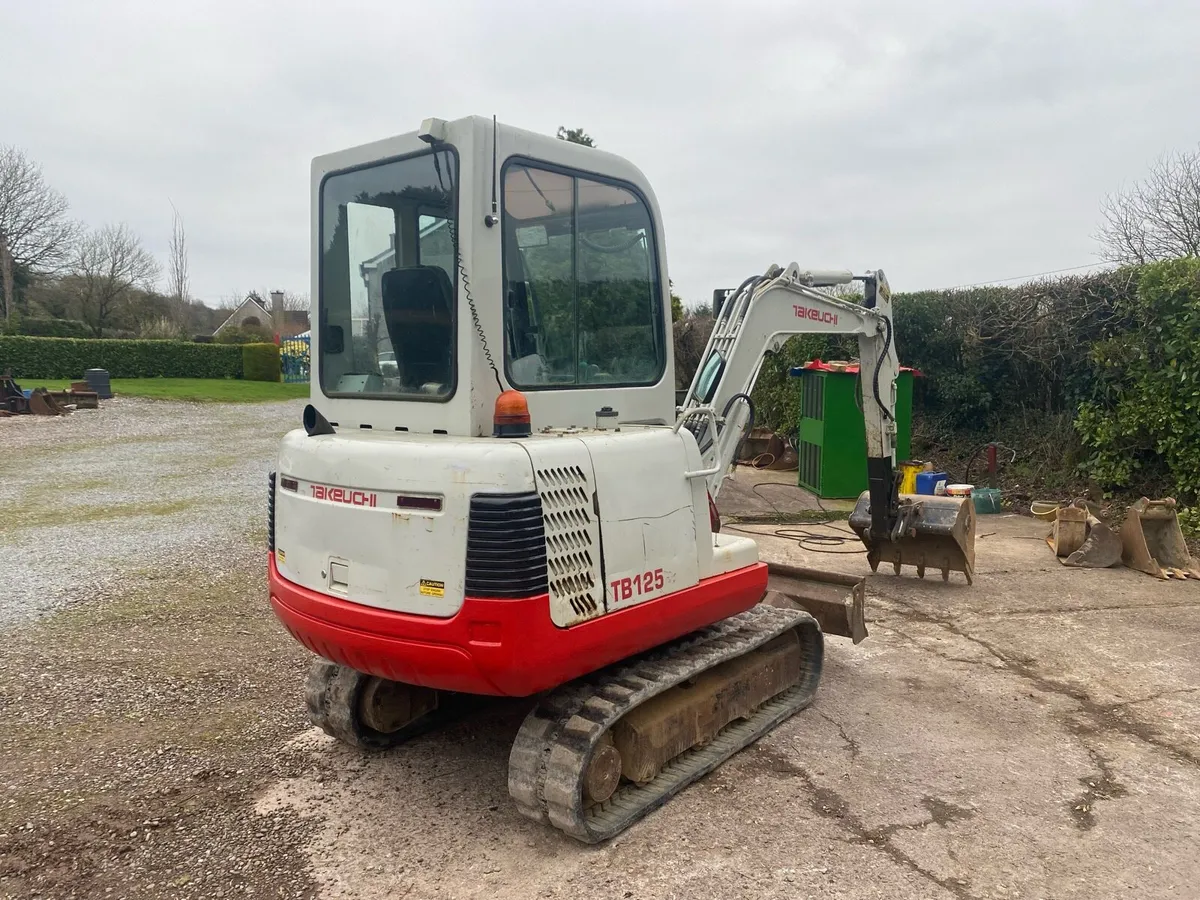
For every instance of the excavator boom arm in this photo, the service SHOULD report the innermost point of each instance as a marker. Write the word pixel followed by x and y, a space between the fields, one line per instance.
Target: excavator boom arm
pixel 757 319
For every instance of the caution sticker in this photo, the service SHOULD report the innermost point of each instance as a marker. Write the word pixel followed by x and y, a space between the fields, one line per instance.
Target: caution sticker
pixel 280 557
pixel 431 588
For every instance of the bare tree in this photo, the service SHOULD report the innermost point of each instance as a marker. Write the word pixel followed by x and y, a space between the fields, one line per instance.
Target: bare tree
pixel 111 266
pixel 7 281
pixel 177 262
pixel 294 302
pixel 691 339
pixel 1158 217
pixel 231 300
pixel 35 233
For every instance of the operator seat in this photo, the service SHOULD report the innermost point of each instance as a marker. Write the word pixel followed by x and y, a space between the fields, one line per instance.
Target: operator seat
pixel 418 311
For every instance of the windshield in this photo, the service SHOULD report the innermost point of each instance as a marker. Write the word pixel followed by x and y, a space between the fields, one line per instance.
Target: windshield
pixel 387 297
pixel 583 303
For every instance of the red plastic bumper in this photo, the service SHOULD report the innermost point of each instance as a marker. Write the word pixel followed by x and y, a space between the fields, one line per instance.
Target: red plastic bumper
pixel 500 647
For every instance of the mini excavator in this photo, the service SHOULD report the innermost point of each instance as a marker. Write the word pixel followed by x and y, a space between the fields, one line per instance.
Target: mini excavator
pixel 496 490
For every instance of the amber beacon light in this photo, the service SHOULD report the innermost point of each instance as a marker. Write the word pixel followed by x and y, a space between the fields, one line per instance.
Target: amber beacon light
pixel 511 418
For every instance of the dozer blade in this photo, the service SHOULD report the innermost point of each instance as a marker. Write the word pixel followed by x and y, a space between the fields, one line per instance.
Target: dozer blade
pixel 85 399
pixel 1151 541
pixel 932 533
pixel 835 600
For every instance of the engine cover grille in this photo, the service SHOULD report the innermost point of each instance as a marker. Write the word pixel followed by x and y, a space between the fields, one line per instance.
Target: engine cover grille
pixel 572 543
pixel 506 546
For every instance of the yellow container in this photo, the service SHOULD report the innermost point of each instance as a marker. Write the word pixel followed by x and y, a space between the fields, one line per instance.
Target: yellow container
pixel 1046 510
pixel 908 476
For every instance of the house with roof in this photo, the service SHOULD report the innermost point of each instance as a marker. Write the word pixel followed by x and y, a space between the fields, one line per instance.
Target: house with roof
pixel 253 313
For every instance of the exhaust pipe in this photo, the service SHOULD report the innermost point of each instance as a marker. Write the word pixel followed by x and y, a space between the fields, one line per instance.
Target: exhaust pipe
pixel 315 423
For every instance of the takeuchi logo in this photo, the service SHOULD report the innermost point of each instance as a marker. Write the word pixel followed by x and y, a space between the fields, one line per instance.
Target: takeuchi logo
pixel 342 495
pixel 807 312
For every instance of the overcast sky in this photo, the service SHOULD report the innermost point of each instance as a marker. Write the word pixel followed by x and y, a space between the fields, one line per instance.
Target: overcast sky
pixel 947 143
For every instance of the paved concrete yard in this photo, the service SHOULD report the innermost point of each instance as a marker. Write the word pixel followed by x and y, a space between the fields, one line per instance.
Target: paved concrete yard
pixel 1035 735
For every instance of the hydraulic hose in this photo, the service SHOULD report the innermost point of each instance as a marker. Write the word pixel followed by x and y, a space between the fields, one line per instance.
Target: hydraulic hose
pixel 887 344
pixel 725 412
pixel 752 282
pixel 749 420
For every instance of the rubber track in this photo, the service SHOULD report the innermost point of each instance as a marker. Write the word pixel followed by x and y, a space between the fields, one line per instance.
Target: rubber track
pixel 557 739
pixel 331 695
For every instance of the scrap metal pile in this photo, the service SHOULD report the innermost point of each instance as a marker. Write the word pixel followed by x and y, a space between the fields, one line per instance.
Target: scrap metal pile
pixel 16 401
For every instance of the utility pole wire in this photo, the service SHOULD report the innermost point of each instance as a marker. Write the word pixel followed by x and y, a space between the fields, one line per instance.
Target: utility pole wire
pixel 959 287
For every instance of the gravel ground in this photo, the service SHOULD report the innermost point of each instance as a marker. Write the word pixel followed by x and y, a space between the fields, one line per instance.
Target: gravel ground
pixel 138 730
pixel 138 484
pixel 145 689
pixel 1036 735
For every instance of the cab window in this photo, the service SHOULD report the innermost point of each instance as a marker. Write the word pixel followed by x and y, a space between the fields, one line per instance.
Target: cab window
pixel 583 304
pixel 387 288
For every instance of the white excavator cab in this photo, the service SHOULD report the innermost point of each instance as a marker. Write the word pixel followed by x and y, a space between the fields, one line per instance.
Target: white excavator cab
pixel 440 280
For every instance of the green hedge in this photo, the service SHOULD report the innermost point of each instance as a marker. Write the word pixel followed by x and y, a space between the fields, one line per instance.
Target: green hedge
pixel 48 327
pixel 1142 421
pixel 245 335
pixel 260 362
pixel 45 357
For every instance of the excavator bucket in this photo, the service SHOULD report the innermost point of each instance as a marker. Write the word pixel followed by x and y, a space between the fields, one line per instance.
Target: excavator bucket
pixel 43 403
pixel 835 600
pixel 1069 530
pixel 1151 541
pixel 933 533
pixel 1101 548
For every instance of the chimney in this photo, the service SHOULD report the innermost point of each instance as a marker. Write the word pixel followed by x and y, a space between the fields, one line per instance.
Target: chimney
pixel 277 314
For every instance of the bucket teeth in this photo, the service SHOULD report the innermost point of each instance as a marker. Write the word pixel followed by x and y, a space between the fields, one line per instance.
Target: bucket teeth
pixel 940 535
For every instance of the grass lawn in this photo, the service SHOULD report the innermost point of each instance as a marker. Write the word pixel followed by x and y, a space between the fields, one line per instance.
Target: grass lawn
pixel 220 390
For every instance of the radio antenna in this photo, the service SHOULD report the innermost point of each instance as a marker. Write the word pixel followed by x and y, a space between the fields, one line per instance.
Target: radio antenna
pixel 491 220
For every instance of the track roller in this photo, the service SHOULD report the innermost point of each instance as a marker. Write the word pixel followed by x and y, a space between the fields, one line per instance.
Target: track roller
pixel 365 711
